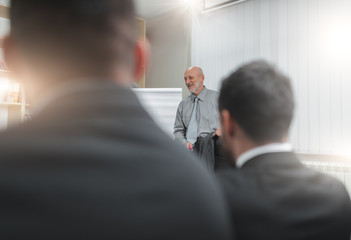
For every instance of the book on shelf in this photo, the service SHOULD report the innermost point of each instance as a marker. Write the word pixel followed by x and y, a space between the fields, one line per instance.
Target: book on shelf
pixel 13 93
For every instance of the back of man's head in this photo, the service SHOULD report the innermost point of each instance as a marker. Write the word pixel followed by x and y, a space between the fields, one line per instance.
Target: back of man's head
pixel 260 99
pixel 88 35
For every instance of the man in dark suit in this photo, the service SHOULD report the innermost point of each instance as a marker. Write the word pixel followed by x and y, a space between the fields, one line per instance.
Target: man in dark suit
pixel 271 194
pixel 91 164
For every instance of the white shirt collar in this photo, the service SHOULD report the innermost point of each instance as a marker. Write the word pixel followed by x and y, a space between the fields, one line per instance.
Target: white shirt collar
pixel 269 148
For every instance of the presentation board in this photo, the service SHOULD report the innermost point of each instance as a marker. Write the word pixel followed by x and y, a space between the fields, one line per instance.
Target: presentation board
pixel 161 104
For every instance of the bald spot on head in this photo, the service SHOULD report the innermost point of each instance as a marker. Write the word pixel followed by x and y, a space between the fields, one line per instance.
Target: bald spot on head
pixel 197 69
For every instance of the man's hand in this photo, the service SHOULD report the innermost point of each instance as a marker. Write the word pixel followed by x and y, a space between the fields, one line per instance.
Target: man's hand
pixel 188 145
pixel 218 132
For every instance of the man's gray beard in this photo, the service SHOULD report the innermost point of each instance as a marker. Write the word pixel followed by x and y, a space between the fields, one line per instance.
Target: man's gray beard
pixel 195 89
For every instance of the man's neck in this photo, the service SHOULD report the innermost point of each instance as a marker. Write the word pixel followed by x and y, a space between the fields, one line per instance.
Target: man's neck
pixel 242 147
pixel 48 81
pixel 46 85
pixel 198 93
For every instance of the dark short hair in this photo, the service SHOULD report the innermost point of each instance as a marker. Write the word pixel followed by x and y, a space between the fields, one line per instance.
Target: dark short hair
pixel 88 33
pixel 260 99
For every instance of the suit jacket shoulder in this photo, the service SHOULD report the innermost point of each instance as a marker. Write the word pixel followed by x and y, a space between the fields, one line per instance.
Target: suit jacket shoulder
pixel 273 196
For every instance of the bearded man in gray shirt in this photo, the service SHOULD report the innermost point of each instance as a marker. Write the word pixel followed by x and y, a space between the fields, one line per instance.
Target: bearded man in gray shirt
pixel 197 115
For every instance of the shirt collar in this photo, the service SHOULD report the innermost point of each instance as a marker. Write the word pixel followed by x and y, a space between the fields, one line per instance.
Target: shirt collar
pixel 269 148
pixel 201 96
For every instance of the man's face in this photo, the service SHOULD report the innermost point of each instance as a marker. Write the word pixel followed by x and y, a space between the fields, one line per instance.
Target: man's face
pixel 194 80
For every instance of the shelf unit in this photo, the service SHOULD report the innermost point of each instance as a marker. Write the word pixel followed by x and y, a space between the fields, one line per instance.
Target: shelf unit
pixel 6 104
pixel 10 113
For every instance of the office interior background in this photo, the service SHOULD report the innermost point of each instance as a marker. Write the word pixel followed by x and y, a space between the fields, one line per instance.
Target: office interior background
pixel 309 40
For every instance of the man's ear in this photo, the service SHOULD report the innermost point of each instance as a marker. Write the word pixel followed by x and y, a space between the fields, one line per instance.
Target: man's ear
pixel 141 57
pixel 228 124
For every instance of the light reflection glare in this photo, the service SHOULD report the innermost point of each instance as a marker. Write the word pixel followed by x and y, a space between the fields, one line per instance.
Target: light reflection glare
pixel 4 88
pixel 4 84
pixel 337 38
pixel 189 3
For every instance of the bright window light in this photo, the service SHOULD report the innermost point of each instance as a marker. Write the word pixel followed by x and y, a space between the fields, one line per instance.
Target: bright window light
pixel 189 3
pixel 337 38
pixel 4 84
pixel 4 88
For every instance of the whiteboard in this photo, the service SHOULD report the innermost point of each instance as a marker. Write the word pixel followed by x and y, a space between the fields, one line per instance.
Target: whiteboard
pixel 161 104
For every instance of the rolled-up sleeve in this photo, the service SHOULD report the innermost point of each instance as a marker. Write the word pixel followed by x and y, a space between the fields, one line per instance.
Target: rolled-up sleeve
pixel 179 127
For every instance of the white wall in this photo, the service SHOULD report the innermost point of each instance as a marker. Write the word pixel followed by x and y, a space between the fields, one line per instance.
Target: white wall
pixel 307 39
pixel 170 42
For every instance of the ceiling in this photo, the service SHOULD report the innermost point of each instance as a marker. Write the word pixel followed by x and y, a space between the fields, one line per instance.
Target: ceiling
pixel 151 8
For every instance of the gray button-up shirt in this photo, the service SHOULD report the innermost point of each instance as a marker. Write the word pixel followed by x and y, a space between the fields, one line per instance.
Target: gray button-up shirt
pixel 206 115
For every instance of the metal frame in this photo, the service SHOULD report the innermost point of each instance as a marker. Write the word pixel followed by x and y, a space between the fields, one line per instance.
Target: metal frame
pixel 221 5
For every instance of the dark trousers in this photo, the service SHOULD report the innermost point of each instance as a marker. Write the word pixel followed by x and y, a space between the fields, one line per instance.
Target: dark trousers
pixel 198 146
pixel 209 150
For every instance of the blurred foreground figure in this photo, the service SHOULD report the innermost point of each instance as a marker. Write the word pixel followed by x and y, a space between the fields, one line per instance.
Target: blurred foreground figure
pixel 271 194
pixel 92 164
